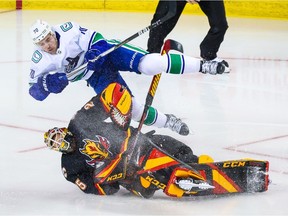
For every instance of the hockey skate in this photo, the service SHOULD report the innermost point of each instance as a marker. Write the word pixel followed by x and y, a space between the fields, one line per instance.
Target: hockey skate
pixel 212 67
pixel 175 124
pixel 225 63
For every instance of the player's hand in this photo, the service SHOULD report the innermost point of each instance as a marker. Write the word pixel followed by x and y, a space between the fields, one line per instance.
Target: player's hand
pixel 54 83
pixel 90 55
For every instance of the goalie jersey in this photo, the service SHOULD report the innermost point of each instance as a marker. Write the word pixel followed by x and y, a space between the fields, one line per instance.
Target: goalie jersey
pixel 99 164
pixel 97 143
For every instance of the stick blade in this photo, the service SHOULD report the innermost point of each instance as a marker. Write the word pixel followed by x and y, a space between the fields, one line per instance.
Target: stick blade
pixel 172 45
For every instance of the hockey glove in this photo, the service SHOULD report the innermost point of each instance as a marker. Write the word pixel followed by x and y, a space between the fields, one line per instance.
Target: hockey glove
pixel 53 83
pixel 92 54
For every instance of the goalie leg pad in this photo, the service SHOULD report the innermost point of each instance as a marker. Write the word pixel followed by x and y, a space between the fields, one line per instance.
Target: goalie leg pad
pixel 236 176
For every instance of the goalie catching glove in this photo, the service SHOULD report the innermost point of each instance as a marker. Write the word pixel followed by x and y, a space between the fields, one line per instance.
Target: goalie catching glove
pixel 117 101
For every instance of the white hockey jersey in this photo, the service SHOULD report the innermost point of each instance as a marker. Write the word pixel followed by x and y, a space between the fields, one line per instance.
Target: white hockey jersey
pixel 74 41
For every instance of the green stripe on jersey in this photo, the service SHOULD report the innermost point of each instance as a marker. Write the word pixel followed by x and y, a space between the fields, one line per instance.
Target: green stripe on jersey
pixel 97 37
pixel 151 116
pixel 128 46
pixel 176 64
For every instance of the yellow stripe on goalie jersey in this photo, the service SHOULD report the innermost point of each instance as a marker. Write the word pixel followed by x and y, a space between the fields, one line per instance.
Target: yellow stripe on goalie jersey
pixel 221 180
pixel 100 189
pixel 106 172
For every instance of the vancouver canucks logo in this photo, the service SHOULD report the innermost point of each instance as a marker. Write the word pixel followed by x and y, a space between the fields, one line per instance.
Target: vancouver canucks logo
pixel 72 63
pixel 96 150
pixel 66 26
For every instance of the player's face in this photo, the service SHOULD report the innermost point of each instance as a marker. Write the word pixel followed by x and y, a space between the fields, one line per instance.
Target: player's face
pixel 49 44
pixel 56 141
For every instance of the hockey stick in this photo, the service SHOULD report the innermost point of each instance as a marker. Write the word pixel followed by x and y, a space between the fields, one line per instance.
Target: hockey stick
pixel 170 14
pixel 169 44
pixel 149 99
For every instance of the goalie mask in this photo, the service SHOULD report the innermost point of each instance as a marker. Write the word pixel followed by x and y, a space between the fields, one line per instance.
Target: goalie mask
pixel 117 102
pixel 54 139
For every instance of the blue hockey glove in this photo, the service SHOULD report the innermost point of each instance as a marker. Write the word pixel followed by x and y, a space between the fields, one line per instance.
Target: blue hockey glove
pixel 90 55
pixel 54 83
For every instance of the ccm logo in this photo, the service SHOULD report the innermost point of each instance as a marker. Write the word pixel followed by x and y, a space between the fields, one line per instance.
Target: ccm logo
pixel 114 177
pixel 234 164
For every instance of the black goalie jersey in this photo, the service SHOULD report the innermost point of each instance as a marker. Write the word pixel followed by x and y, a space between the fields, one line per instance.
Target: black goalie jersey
pixel 95 140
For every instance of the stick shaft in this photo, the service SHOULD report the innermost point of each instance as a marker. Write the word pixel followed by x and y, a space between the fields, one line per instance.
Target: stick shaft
pixel 169 15
pixel 149 99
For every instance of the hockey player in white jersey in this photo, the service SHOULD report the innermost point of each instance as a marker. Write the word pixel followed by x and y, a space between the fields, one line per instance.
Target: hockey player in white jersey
pixel 63 48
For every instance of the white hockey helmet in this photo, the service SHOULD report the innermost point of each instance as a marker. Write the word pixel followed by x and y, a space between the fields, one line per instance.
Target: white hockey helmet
pixel 39 30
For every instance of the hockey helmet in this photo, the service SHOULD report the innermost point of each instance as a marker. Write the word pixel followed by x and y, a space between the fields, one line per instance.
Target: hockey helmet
pixel 39 30
pixel 54 139
pixel 117 101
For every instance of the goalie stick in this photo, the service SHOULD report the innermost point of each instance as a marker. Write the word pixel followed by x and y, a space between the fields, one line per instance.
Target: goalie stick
pixel 170 14
pixel 153 88
pixel 168 45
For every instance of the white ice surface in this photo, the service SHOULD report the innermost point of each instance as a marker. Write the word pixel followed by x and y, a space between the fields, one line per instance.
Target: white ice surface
pixel 238 115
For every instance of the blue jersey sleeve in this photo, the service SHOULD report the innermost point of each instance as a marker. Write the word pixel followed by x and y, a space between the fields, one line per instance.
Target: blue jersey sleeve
pixel 124 58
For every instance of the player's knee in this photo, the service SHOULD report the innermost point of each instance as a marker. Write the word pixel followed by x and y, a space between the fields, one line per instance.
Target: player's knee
pixel 152 64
